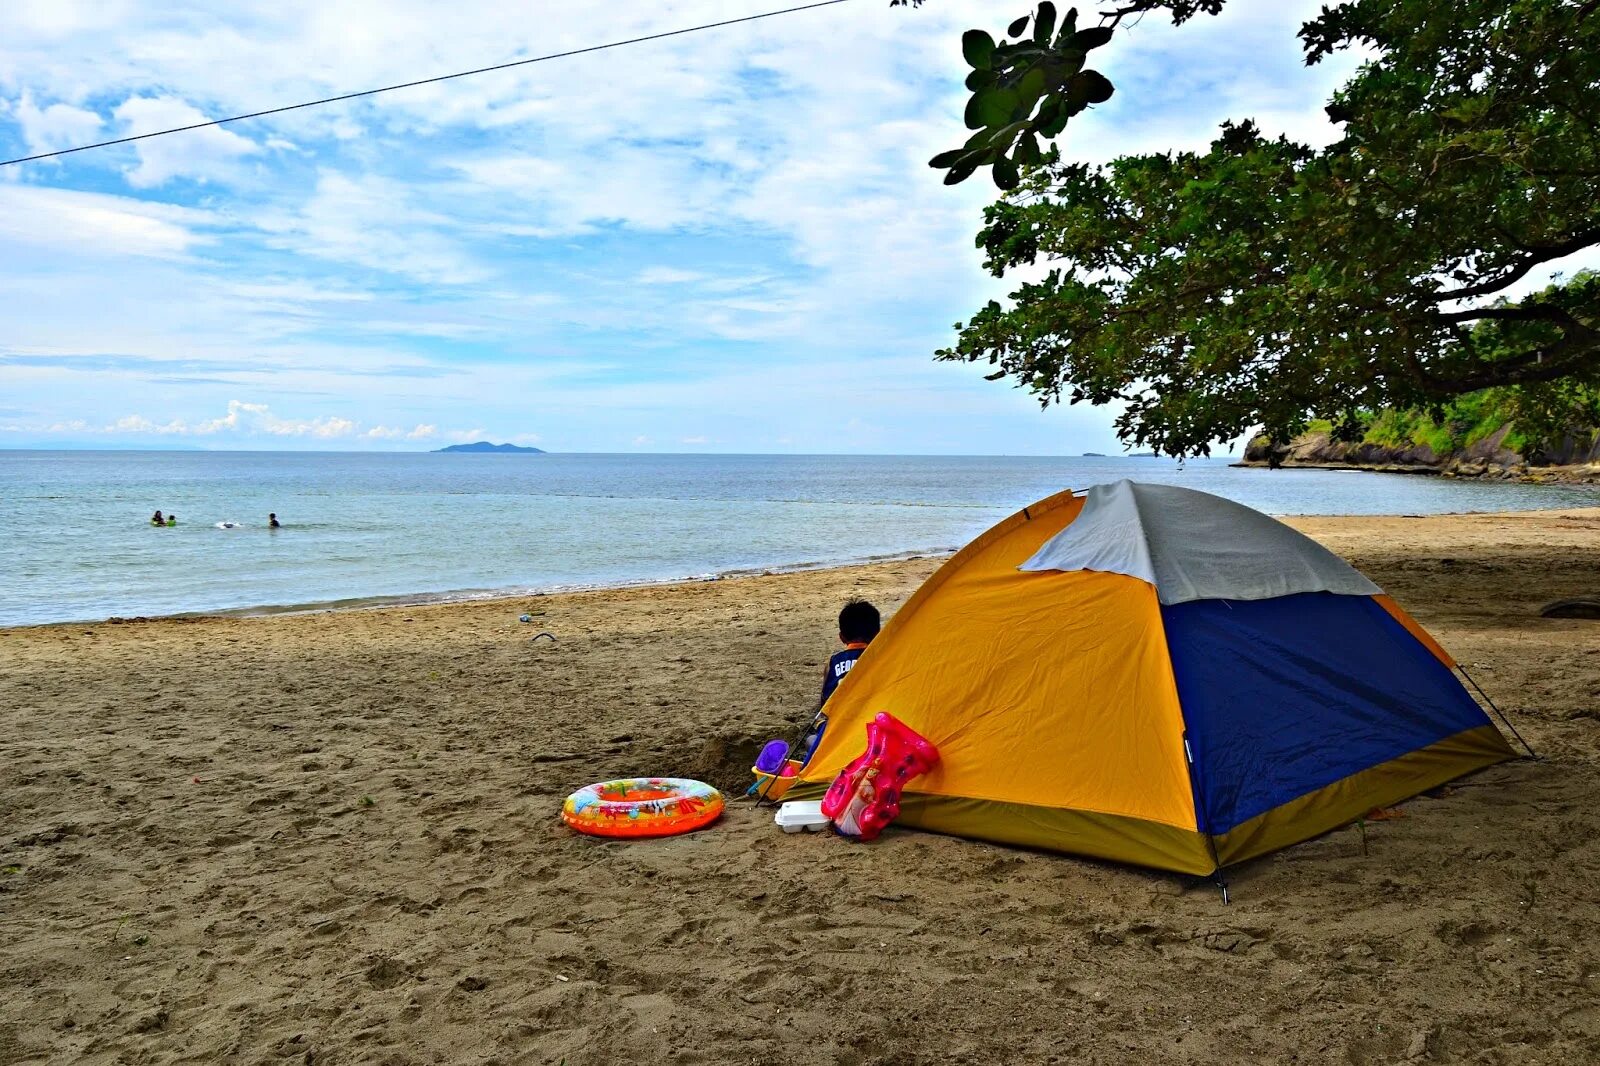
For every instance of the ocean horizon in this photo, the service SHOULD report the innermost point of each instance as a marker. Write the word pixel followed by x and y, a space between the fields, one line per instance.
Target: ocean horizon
pixel 369 528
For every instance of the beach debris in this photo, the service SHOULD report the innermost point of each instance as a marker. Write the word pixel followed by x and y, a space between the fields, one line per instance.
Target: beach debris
pixel 1581 608
pixel 526 618
pixel 542 633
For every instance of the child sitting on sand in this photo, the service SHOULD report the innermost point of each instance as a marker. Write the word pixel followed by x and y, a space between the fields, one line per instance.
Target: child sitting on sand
pixel 858 624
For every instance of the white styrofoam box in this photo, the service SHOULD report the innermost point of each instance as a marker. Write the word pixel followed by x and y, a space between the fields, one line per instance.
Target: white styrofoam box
pixel 801 816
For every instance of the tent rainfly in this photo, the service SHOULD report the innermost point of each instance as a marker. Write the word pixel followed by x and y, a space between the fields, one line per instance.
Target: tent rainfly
pixel 1158 676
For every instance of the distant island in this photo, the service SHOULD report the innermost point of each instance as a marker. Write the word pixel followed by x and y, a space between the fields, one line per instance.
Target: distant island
pixel 485 446
pixel 1094 455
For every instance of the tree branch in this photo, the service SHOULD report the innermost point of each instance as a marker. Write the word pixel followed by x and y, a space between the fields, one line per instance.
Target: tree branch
pixel 1538 253
pixel 1559 360
pixel 1530 312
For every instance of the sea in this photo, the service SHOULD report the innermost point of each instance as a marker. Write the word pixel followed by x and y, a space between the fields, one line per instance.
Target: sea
pixel 363 529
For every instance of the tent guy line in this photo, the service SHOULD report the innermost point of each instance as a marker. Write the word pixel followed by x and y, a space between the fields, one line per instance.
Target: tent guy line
pixel 422 81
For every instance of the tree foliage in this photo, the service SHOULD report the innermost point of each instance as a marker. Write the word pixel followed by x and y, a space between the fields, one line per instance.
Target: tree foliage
pixel 1264 282
pixel 1029 84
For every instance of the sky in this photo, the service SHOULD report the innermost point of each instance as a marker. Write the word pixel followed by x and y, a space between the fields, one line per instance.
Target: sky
pixel 727 241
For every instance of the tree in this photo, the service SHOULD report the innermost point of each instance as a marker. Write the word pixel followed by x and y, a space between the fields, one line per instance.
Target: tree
pixel 1264 282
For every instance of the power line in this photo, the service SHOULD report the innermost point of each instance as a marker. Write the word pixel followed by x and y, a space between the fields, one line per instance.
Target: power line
pixel 423 81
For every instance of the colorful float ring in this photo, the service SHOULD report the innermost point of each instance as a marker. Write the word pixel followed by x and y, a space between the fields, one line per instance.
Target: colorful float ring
pixel 642 807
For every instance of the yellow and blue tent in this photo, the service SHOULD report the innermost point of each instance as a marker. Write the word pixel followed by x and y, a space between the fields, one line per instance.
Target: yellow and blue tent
pixel 1158 676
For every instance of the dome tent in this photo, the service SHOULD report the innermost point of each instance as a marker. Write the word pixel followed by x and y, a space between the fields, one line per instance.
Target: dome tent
pixel 1158 676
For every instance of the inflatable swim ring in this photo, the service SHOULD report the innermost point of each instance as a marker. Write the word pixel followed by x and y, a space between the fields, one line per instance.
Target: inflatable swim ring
pixel 642 807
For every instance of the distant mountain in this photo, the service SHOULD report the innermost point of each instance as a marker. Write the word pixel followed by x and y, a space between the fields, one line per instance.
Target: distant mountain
pixel 485 446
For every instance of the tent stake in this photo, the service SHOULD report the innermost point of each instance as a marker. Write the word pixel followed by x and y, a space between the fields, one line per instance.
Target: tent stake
pixel 1531 753
pixel 1222 883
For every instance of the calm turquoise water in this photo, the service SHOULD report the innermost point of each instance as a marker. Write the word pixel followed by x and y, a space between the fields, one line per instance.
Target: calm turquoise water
pixel 75 542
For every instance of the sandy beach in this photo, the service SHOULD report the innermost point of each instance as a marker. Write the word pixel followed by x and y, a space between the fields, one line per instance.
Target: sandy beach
pixel 334 838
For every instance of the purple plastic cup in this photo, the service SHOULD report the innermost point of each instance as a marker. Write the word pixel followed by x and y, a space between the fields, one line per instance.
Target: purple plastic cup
pixel 770 761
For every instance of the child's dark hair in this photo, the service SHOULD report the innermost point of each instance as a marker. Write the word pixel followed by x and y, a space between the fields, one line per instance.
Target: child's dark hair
pixel 858 622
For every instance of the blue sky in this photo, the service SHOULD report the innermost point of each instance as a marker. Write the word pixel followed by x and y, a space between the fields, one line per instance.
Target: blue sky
pixel 727 241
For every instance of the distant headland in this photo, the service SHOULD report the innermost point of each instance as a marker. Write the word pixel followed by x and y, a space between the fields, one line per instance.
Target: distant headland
pixel 485 446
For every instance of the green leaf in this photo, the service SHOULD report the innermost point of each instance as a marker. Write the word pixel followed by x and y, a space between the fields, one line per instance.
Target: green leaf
pixel 946 159
pixel 977 157
pixel 977 47
pixel 958 175
pixel 972 116
pixel 1058 68
pixel 1027 152
pixel 993 106
pixel 978 139
pixel 979 78
pixel 1031 87
pixel 1016 28
pixel 1093 37
pixel 1005 173
pixel 1069 26
pixel 1044 23
pixel 1100 87
pixel 1001 142
pixel 1087 87
pixel 1049 112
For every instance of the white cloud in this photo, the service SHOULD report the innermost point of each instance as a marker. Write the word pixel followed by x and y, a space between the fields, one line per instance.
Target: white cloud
pixel 140 424
pixel 238 411
pixel 256 420
pixel 208 154
pixel 371 221
pixel 97 224
pixel 660 275
pixel 58 126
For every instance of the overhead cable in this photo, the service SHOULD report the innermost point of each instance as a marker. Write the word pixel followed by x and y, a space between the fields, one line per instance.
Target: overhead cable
pixel 423 81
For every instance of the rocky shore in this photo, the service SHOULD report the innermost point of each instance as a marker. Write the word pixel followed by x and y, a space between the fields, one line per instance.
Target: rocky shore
pixel 1575 459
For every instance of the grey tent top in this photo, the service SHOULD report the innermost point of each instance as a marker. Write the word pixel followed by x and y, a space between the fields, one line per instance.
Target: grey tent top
pixel 1194 546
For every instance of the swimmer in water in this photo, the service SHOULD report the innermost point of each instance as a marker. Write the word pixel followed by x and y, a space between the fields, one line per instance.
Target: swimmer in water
pixel 272 522
pixel 157 520
pixel 172 519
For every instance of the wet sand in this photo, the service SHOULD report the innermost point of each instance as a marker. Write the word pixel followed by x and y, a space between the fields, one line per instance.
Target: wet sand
pixel 334 838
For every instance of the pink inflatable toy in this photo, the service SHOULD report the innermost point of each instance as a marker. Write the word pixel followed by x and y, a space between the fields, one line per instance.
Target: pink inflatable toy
pixel 865 796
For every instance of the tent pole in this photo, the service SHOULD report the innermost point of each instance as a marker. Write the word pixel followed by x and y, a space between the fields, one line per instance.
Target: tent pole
pixel 1199 801
pixel 1531 753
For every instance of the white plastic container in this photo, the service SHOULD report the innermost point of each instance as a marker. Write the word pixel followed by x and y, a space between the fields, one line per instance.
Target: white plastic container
pixel 801 816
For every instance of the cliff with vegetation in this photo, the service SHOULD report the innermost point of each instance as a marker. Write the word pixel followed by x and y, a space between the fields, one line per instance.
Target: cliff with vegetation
pixel 1476 436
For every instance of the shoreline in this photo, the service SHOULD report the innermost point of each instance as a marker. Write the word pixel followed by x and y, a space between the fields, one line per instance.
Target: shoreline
pixel 486 596
pixel 509 593
pixel 1575 474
